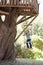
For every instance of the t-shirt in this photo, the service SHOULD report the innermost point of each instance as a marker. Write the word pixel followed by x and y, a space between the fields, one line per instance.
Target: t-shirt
pixel 28 37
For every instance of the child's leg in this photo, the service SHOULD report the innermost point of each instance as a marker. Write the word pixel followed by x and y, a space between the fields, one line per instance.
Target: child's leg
pixel 27 45
pixel 30 44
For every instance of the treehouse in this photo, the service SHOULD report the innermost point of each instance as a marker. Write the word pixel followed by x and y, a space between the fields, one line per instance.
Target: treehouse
pixel 25 7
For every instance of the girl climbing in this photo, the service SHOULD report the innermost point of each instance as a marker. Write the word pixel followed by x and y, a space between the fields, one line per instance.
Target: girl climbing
pixel 28 41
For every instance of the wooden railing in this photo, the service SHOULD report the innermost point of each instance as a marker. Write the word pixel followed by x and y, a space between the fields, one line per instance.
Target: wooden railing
pixel 7 2
pixel 25 5
pixel 16 2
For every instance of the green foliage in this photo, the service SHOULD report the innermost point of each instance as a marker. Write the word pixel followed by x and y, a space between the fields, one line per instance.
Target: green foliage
pixel 30 53
pixel 37 29
pixel 18 47
pixel 38 43
pixel 37 55
pixel 27 54
pixel 22 53
pixel 19 50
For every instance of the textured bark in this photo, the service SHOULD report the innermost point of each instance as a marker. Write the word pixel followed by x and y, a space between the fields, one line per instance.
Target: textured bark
pixel 7 36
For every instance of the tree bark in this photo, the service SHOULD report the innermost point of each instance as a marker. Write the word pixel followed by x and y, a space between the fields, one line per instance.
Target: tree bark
pixel 7 36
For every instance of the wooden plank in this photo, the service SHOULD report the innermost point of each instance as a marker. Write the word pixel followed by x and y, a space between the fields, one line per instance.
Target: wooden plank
pixel 19 6
pixel 3 2
pixel 27 12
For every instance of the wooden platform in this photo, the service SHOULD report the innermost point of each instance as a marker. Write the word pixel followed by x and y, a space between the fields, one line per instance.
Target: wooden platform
pixel 27 7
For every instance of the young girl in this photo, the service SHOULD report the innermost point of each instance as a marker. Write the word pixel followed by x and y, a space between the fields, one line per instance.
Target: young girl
pixel 28 41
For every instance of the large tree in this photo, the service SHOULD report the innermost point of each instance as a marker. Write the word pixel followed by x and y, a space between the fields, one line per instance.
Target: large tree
pixel 7 35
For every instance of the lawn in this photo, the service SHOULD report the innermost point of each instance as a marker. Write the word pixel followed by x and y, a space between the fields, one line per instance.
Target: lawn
pixel 21 61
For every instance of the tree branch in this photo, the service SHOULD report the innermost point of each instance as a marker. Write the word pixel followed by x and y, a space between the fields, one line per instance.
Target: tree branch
pixel 4 13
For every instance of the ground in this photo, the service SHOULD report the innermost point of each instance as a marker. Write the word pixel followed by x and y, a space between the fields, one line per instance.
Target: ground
pixel 28 62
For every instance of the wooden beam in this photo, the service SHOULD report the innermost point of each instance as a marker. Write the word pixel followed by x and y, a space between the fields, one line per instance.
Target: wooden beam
pixel 35 9
pixel 23 20
pixel 18 6
pixel 3 12
pixel 26 27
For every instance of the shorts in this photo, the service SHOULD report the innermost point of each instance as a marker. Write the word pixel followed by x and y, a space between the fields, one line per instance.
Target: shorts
pixel 28 40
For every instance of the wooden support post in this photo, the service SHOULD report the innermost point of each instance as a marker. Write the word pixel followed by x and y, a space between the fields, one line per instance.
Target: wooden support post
pixel 23 20
pixel 26 27
pixel 20 20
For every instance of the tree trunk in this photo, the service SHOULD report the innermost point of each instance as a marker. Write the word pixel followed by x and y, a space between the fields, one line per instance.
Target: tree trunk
pixel 7 36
